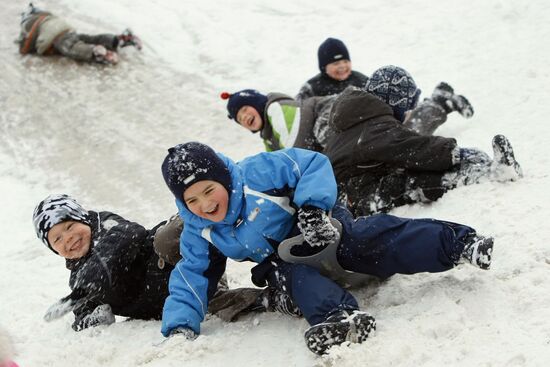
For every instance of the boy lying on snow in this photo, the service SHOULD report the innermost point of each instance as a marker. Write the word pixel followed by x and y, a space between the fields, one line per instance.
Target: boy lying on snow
pixel 115 270
pixel 45 34
pixel 246 209
pixel 378 140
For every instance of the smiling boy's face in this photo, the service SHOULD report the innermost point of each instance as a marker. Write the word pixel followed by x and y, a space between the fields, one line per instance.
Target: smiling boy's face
pixel 70 239
pixel 249 118
pixel 207 199
pixel 339 70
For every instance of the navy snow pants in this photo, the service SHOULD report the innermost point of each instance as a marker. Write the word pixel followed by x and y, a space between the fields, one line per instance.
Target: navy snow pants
pixel 379 245
pixel 315 295
pixel 383 245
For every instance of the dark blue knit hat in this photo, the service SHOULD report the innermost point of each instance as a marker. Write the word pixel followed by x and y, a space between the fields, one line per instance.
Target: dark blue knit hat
pixel 245 97
pixel 192 162
pixel 396 87
pixel 330 51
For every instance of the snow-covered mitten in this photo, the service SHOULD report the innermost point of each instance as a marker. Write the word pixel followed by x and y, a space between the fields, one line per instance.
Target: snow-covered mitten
pixel 445 96
pixel 505 167
pixel 67 304
pixel 478 250
pixel 104 56
pixel 128 38
pixel 345 325
pixel 314 223
pixel 184 332
pixel 101 315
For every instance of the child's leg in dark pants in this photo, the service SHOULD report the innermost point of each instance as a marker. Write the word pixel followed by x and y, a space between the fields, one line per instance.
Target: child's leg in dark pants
pixel 331 310
pixel 383 245
pixel 426 118
pixel 110 41
pixel 80 46
pixel 69 45
pixel 315 295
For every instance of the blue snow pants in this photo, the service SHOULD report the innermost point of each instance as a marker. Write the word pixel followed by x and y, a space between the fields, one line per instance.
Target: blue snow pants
pixel 315 295
pixel 379 245
pixel 383 244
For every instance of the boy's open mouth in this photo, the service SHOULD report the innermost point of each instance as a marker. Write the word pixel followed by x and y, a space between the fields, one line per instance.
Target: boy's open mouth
pixel 213 211
pixel 76 245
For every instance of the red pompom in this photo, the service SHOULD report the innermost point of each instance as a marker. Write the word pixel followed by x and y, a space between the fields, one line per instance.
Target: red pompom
pixel 225 95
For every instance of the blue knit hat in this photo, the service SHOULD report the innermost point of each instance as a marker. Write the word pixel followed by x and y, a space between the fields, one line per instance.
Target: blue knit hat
pixel 330 51
pixel 192 162
pixel 396 87
pixel 245 97
pixel 56 209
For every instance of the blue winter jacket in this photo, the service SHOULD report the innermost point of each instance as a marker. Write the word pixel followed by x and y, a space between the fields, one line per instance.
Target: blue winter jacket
pixel 266 191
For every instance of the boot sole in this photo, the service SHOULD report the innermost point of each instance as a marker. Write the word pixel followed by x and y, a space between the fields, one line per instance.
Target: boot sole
pixel 321 337
pixel 503 154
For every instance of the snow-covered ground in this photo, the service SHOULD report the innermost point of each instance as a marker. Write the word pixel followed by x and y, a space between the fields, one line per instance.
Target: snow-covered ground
pixel 100 133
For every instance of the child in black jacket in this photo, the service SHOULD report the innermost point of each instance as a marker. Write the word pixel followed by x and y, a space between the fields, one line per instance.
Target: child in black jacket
pixel 335 72
pixel 114 267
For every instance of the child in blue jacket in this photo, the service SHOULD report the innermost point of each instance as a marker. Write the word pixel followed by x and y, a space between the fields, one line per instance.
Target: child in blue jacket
pixel 247 209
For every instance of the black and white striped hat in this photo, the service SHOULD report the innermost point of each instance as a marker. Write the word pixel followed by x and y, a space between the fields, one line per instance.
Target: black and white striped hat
pixel 56 209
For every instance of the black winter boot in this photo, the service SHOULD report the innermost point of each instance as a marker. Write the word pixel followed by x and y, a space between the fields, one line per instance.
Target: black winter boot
pixel 478 251
pixel 275 300
pixel 505 164
pixel 444 95
pixel 346 325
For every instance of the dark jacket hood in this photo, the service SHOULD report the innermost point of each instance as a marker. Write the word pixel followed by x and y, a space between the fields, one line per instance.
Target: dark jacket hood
pixel 354 106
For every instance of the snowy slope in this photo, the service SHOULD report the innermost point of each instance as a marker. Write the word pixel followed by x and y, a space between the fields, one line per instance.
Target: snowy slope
pixel 100 133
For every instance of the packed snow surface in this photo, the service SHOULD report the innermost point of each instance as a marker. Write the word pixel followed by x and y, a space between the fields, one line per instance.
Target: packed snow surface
pixel 100 134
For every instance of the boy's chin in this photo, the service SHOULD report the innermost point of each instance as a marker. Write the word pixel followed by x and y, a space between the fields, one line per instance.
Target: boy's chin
pixel 342 77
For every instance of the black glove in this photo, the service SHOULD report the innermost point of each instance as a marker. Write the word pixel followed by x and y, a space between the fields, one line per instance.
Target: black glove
pixel 185 332
pixel 316 227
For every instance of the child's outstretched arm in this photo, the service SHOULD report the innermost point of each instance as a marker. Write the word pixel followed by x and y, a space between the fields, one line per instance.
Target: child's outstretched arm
pixel 88 312
pixel 192 283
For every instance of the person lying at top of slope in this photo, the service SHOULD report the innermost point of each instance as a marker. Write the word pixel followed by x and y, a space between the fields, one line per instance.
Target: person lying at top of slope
pixel 44 33
pixel 120 268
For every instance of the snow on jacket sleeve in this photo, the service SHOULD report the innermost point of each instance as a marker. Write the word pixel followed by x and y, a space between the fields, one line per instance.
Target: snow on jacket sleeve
pixel 192 283
pixel 308 173
pixel 118 244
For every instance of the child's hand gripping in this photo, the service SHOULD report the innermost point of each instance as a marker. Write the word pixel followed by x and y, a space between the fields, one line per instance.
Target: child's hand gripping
pixel 316 227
